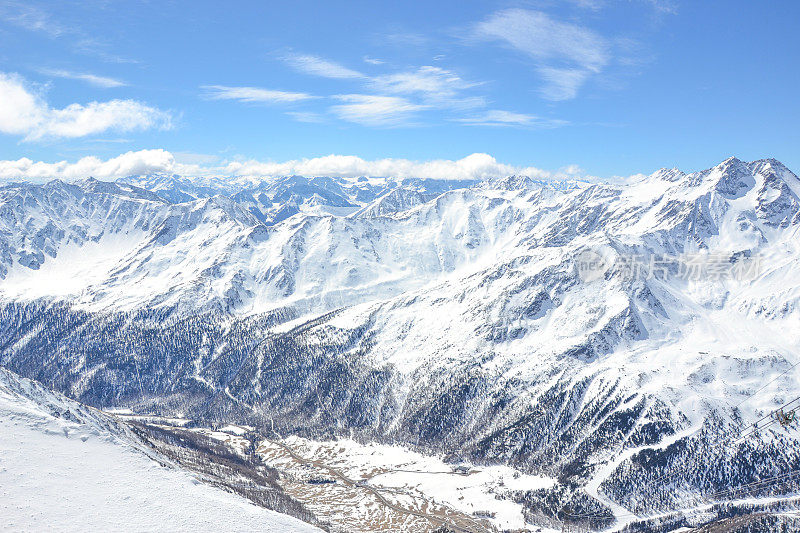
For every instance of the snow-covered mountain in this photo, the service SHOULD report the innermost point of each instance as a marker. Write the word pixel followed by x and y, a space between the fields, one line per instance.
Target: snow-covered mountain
pixel 451 316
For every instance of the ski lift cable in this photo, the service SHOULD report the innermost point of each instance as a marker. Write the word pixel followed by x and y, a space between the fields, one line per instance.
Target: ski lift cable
pixel 767 384
pixel 760 484
pixel 755 427
pixel 748 488
pixel 741 437
pixel 784 406
pixel 766 482
pixel 755 484
pixel 749 431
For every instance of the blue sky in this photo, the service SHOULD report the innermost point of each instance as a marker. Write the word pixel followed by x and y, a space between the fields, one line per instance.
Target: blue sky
pixel 596 87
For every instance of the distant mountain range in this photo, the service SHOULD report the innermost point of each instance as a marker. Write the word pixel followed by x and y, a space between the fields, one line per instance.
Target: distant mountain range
pixel 451 316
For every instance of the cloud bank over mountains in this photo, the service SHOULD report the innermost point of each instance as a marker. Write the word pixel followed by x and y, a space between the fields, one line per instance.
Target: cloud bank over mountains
pixel 474 166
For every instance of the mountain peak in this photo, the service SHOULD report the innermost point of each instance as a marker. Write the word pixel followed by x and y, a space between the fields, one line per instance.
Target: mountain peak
pixel 733 178
pixel 731 161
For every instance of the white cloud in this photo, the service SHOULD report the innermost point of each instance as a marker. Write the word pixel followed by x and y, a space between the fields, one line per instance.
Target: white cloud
pixel 78 120
pixel 571 170
pixel 20 110
pixel 127 164
pixel 497 117
pixel 434 85
pixel 396 98
pixel 566 54
pixel 98 81
pixel 25 113
pixel 544 38
pixel 475 166
pixel 253 94
pixel 375 110
pixel 373 61
pixel 321 67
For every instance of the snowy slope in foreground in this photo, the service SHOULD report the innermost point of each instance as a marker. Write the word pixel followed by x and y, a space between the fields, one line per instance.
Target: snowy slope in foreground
pixel 66 468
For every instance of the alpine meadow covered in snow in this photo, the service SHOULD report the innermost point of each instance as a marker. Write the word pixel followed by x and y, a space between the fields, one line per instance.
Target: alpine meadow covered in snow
pixel 261 273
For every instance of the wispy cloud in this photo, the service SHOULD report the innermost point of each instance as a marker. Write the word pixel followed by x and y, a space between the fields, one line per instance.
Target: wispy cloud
pixel 562 83
pixel 375 110
pixel 497 117
pixel 433 86
pixel 403 39
pixel 430 82
pixel 546 39
pixel 669 7
pixel 389 100
pixel 373 61
pixel 32 18
pixel 660 6
pixel 25 113
pixel 593 5
pixel 253 94
pixel 306 116
pixel 318 66
pixel 92 79
pixel 565 54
